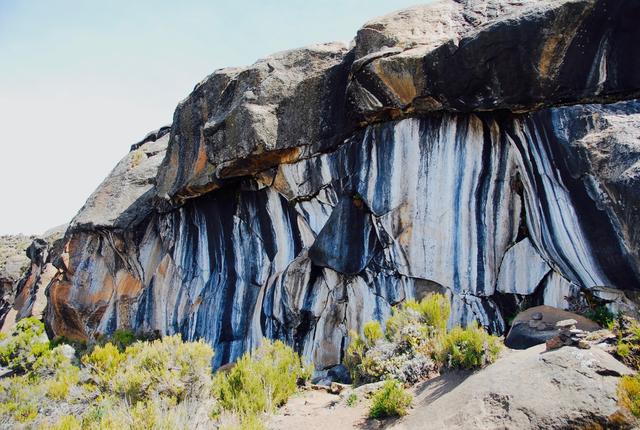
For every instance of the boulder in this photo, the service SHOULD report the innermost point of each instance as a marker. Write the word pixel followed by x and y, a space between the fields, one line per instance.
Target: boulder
pixel 125 196
pixel 538 324
pixel 568 388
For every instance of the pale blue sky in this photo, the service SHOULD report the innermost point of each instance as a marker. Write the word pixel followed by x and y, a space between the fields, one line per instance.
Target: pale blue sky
pixel 80 81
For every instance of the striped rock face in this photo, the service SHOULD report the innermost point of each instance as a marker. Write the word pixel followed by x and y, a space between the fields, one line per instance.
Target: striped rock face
pixel 517 197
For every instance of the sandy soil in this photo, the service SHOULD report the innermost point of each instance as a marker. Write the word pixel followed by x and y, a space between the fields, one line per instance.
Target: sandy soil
pixel 317 409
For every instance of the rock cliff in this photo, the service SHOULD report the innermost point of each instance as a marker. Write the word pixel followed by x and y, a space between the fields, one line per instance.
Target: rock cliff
pixel 486 149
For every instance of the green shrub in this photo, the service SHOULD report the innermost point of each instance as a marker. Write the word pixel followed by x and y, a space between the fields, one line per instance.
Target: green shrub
pixel 103 363
pixel 408 347
pixel 629 393
pixel 26 412
pixel 352 400
pixel 469 348
pixel 164 384
pixel 123 338
pixel 261 380
pixel 624 349
pixel 167 367
pixel 372 332
pixel 66 422
pixel 602 315
pixel 26 344
pixel 58 387
pixel 391 400
pixel 434 310
pixel 627 331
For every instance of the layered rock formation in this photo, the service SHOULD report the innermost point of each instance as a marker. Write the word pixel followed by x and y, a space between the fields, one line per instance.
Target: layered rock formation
pixel 27 272
pixel 489 150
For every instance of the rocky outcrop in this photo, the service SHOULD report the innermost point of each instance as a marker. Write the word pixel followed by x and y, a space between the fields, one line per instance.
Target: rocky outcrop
pixel 124 199
pixel 241 121
pixel 13 263
pixel 24 288
pixel 494 398
pixel 487 150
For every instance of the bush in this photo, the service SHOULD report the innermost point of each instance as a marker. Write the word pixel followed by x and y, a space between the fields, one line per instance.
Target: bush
pixel 167 367
pixel 391 400
pixel 602 315
pixel 629 393
pixel 628 345
pixel 469 348
pixel 372 332
pixel 26 344
pixel 261 380
pixel 66 422
pixel 406 350
pixel 434 310
pixel 160 384
pixel 103 363
pixel 133 384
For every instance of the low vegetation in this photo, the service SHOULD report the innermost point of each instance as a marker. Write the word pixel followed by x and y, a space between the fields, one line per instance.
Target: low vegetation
pixel 128 383
pixel 629 394
pixel 391 400
pixel 260 381
pixel 627 331
pixel 416 344
pixel 602 315
pixel 468 348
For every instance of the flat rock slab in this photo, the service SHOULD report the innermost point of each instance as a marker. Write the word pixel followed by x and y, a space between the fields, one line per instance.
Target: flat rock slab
pixel 538 324
pixel 564 389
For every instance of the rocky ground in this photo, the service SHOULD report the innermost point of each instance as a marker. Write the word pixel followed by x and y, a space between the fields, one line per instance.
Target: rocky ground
pixel 568 388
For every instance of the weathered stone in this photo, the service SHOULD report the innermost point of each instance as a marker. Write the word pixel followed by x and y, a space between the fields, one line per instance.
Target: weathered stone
pixel 566 324
pixel 522 335
pixel 527 390
pixel 554 343
pixel 240 121
pixel 125 197
pixel 561 52
pixel 25 295
pixel 297 199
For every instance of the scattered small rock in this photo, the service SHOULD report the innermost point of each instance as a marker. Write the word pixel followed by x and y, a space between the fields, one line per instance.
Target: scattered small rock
pixel 337 388
pixel 568 324
pixel 568 335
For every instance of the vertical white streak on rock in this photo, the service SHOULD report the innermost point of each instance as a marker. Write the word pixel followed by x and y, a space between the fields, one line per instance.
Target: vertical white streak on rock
pixel 556 230
pixel 522 269
pixel 556 289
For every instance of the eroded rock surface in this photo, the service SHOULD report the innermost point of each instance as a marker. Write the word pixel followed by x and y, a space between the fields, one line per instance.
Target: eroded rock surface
pixel 481 149
pixel 24 288
pixel 568 388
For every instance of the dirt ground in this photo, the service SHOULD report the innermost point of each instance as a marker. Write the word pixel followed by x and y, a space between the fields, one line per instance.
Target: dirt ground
pixel 315 409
